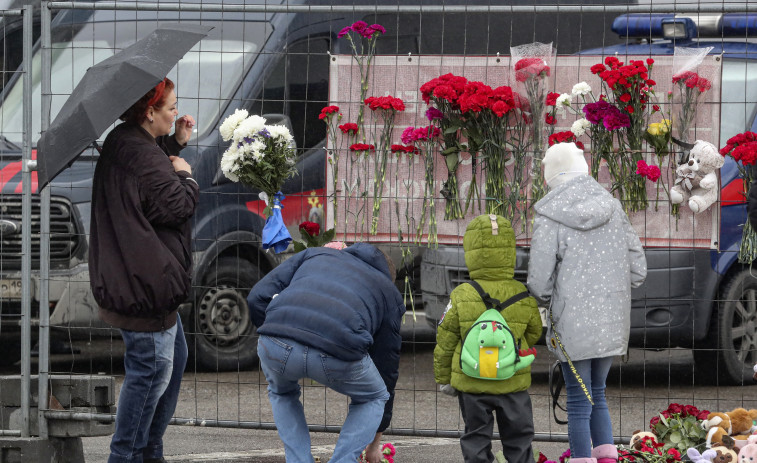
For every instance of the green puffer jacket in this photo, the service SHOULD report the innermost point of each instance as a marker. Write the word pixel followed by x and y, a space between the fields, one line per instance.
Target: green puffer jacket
pixel 491 262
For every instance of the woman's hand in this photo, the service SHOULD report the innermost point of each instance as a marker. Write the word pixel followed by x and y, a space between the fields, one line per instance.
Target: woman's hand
pixel 184 126
pixel 180 164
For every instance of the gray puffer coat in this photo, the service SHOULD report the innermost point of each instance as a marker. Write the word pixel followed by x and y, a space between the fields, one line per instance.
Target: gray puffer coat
pixel 585 258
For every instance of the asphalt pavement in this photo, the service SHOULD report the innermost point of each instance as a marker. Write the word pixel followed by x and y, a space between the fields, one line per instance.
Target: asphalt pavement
pixel 639 386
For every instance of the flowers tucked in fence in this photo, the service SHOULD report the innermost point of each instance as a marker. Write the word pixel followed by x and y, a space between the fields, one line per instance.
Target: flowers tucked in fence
pixel 533 63
pixel 623 112
pixel 691 81
pixel 658 137
pixel 743 149
pixel 443 92
pixel 331 116
pixel 386 107
pixel 564 137
pixel 426 142
pixel 363 50
pixel 679 428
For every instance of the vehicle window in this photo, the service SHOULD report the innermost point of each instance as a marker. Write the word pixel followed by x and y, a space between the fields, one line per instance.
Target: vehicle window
pixel 206 77
pixel 738 97
pixel 308 89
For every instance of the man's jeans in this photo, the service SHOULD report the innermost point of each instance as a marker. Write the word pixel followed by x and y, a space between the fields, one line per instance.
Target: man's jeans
pixel 285 362
pixel 587 425
pixel 154 363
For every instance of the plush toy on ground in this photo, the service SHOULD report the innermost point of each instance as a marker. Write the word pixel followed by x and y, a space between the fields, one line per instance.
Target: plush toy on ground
pixel 697 180
pixel 736 424
pixel 748 453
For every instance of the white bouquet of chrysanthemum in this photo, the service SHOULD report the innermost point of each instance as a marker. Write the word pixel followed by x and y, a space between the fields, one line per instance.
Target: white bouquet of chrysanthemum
pixel 260 156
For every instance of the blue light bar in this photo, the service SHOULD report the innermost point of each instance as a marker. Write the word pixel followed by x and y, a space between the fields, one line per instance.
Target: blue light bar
pixel 739 25
pixel 640 24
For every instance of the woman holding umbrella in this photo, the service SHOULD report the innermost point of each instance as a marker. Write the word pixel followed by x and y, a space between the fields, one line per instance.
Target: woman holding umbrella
pixel 140 263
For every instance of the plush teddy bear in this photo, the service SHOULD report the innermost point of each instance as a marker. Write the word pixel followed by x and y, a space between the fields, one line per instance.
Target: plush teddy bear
pixel 736 424
pixel 697 180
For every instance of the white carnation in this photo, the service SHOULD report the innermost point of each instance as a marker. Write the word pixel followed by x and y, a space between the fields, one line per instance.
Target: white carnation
pixel 579 127
pixel 581 88
pixel 563 100
pixel 249 127
pixel 279 131
pixel 231 123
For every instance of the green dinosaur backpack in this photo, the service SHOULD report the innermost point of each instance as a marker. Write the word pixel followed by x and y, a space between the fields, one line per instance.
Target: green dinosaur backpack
pixel 490 350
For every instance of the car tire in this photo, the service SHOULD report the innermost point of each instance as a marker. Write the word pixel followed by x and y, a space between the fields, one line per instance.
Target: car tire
pixel 731 348
pixel 223 337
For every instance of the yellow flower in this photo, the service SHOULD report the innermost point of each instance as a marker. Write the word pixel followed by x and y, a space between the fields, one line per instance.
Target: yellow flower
pixel 659 128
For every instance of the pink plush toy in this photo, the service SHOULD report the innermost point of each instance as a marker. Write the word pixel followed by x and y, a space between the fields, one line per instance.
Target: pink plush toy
pixel 748 454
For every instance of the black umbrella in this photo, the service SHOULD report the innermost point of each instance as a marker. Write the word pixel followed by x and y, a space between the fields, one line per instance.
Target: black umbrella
pixel 107 90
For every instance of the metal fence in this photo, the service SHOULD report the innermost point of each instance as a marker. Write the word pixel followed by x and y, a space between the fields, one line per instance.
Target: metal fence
pixel 691 323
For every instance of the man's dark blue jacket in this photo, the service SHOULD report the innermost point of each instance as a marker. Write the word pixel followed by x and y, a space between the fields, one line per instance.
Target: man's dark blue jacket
pixel 341 302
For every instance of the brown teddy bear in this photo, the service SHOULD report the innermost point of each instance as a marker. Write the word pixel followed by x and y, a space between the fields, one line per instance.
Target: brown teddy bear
pixel 737 424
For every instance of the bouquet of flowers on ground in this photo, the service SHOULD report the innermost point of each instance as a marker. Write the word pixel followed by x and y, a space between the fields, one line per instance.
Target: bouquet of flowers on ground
pixel 692 79
pixel 260 156
pixel 743 149
pixel 649 451
pixel 532 68
pixel 679 427
pixel 388 452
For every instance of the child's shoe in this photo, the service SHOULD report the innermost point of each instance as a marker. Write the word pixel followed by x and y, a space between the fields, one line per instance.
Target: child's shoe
pixel 605 453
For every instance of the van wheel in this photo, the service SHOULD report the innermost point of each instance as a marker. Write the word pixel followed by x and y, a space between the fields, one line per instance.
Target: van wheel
pixel 223 336
pixel 731 348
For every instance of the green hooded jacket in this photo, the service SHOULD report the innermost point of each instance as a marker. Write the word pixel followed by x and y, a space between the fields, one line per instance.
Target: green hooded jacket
pixel 490 259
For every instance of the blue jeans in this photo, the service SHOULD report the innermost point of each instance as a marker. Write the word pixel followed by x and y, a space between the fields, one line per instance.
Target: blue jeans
pixel 154 364
pixel 587 424
pixel 285 362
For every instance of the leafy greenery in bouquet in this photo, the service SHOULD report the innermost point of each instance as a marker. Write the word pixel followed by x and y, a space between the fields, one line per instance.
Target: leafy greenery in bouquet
pixel 312 236
pixel 259 155
pixel 680 427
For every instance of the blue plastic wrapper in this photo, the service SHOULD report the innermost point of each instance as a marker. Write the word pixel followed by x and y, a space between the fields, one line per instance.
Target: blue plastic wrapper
pixel 275 233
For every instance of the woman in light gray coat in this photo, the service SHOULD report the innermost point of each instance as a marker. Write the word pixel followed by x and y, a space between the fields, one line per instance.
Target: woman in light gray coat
pixel 585 258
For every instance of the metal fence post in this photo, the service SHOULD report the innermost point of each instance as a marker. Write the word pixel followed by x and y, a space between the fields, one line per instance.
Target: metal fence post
pixel 44 243
pixel 26 220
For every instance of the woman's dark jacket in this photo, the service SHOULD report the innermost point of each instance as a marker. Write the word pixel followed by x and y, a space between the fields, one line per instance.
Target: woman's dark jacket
pixel 340 302
pixel 140 259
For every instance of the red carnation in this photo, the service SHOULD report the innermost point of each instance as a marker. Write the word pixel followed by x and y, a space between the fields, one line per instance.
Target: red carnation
pixel 312 228
pixel 552 98
pixel 349 128
pixel 549 119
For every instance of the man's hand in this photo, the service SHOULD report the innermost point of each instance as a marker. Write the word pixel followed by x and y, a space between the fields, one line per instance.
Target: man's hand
pixel 373 453
pixel 184 126
pixel 180 164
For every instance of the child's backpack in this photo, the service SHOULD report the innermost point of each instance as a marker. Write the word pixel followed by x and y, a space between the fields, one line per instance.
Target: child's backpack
pixel 490 350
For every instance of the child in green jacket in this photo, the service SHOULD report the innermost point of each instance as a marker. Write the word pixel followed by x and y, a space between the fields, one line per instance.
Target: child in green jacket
pixel 489 245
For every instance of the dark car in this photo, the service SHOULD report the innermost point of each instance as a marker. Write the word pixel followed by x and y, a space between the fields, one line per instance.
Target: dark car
pixel 693 298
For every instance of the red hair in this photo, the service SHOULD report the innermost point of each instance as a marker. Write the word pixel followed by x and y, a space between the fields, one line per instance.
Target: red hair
pixel 156 98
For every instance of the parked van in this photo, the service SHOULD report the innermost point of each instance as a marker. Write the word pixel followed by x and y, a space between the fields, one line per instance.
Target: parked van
pixel 273 64
pixel 693 298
